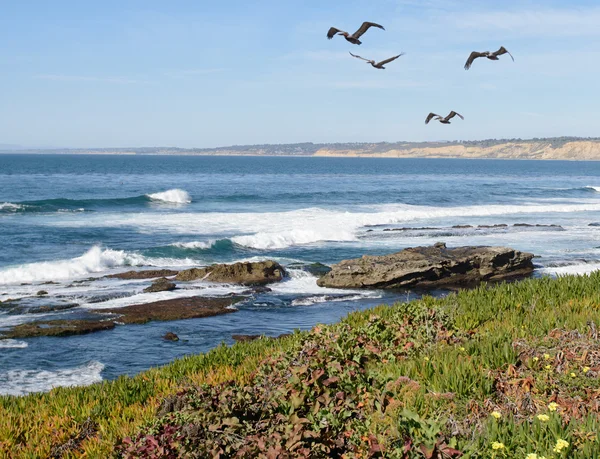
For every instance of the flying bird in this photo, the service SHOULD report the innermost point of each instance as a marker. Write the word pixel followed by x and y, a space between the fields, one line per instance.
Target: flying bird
pixel 491 56
pixel 378 65
pixel 354 38
pixel 446 120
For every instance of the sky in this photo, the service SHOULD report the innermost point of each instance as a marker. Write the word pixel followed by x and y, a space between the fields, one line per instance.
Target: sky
pixel 194 73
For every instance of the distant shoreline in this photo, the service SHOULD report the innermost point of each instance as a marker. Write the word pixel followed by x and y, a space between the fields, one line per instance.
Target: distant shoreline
pixel 560 148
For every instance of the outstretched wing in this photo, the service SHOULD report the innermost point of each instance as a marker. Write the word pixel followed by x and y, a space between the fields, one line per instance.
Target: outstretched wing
pixel 452 114
pixel 358 57
pixel 364 27
pixel 390 59
pixel 474 55
pixel 332 31
pixel 430 117
pixel 502 51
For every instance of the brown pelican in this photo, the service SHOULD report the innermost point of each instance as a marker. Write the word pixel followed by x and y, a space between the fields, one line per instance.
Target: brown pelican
pixel 491 56
pixel 446 120
pixel 354 38
pixel 378 65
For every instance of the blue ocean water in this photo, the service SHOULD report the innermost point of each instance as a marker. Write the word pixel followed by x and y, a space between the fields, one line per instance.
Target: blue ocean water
pixel 69 218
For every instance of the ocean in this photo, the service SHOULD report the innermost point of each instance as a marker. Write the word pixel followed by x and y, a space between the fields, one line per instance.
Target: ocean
pixel 67 218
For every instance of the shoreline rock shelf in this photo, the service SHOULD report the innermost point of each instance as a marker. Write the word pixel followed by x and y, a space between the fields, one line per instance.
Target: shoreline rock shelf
pixel 430 267
pixel 246 273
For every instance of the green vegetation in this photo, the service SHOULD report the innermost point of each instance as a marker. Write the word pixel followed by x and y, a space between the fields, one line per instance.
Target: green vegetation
pixel 507 371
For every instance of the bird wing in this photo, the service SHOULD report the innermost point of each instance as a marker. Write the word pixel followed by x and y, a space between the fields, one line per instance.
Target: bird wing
pixel 332 31
pixel 502 51
pixel 358 57
pixel 364 27
pixel 474 55
pixel 452 114
pixel 390 59
pixel 430 117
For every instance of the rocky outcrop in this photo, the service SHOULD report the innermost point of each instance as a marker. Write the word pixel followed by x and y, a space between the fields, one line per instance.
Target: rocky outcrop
pixel 430 267
pixel 147 274
pixel 160 285
pixel 259 273
pixel 175 309
pixel 170 336
pixel 57 328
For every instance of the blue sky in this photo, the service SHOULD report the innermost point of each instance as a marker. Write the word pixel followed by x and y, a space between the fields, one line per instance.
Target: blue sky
pixel 203 74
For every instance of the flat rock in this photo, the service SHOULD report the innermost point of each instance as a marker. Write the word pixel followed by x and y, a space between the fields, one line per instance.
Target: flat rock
pixel 175 309
pixel 161 285
pixel 258 273
pixel 57 328
pixel 146 274
pixel 430 267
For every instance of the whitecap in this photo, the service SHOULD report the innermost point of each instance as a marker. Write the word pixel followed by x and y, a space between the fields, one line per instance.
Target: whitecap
pixel 21 382
pixel 595 188
pixel 575 269
pixel 12 344
pixel 175 196
pixel 10 206
pixel 194 244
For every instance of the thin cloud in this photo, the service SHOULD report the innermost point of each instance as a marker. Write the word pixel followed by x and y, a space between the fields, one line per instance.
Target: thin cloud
pixel 90 79
pixel 185 73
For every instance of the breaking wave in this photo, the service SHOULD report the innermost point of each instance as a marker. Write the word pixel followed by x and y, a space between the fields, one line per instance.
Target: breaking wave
pixel 175 196
pixel 95 260
pixel 21 382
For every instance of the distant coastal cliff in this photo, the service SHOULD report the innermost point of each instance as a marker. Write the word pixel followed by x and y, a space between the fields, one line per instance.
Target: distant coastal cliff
pixel 559 148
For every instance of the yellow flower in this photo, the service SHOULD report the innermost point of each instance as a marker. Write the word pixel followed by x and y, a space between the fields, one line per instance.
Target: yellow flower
pixel 546 356
pixel 560 445
pixel 462 349
pixel 426 359
pixel 586 369
pixel 496 414
pixel 532 456
pixel 535 359
pixel 497 445
pixel 547 367
pixel 573 375
pixel 553 406
pixel 543 417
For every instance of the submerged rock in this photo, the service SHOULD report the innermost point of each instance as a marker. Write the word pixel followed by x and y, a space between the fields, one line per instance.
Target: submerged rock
pixel 175 309
pixel 42 293
pixel 171 337
pixel 57 328
pixel 430 267
pixel 161 285
pixel 258 273
pixel 147 274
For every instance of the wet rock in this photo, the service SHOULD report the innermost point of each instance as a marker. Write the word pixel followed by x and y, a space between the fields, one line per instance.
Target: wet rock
pixel 171 337
pixel 316 269
pixel 500 225
pixel 529 225
pixel 430 267
pixel 175 309
pixel 440 245
pixel 245 338
pixel 57 328
pixel 42 293
pixel 146 274
pixel 161 285
pixel 258 273
pixel 462 226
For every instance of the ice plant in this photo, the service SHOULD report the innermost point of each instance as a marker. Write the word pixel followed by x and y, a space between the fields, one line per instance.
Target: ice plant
pixel 560 445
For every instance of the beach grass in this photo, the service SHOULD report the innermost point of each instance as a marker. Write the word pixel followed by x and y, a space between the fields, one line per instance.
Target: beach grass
pixel 511 370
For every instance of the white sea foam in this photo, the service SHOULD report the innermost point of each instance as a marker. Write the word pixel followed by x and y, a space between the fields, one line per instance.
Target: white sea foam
pixel 310 300
pixel 266 241
pixel 276 230
pixel 94 260
pixel 595 188
pixel 21 382
pixel 302 282
pixel 175 196
pixel 12 344
pixel 577 269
